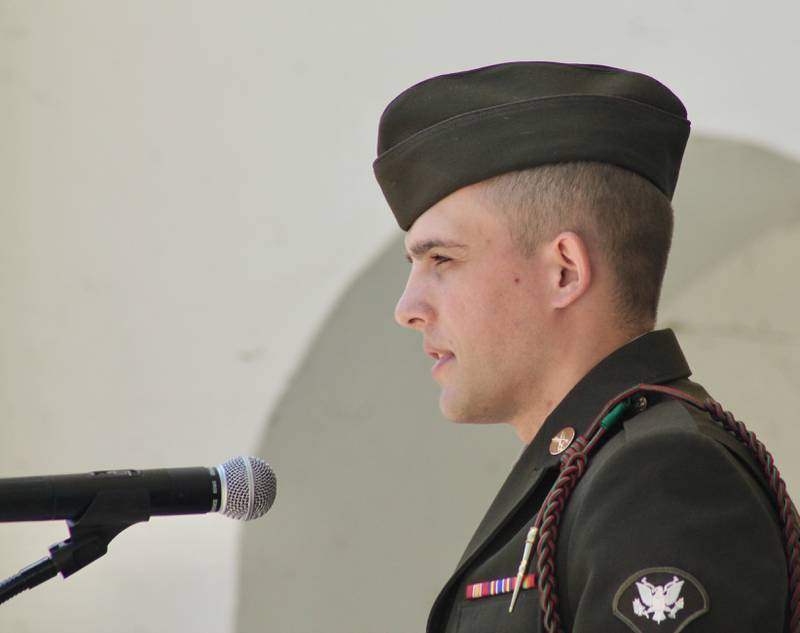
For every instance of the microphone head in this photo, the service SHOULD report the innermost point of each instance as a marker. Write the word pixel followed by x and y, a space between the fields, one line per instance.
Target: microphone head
pixel 248 488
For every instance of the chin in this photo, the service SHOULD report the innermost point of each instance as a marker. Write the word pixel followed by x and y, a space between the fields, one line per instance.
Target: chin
pixel 450 408
pixel 463 411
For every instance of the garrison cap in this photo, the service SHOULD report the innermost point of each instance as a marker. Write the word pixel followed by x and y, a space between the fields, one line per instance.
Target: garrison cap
pixel 454 130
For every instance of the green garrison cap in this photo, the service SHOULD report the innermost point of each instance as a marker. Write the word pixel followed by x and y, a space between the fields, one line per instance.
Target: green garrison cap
pixel 454 130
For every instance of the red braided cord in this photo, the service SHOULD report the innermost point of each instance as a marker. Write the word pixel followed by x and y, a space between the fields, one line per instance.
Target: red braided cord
pixel 572 470
pixel 783 503
pixel 574 463
pixel 786 509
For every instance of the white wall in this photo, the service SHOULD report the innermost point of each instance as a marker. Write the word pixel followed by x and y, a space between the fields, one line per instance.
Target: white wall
pixel 186 189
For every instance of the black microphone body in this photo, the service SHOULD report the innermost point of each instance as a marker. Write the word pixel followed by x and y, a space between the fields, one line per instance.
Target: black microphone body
pixel 171 491
pixel 101 504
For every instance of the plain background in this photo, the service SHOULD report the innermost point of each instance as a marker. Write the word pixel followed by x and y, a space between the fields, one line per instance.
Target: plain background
pixel 187 192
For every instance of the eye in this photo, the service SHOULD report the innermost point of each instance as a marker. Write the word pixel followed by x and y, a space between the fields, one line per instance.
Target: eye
pixel 439 259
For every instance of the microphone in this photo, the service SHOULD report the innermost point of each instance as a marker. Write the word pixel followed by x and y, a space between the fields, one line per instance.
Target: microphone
pixel 242 488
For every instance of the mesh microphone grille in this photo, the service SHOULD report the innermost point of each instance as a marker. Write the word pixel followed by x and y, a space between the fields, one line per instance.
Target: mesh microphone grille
pixel 249 487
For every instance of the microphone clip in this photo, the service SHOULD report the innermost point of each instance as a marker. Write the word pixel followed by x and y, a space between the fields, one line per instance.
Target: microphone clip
pixel 109 513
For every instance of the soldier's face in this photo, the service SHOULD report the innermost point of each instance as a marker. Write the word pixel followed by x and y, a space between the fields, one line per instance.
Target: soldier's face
pixel 480 306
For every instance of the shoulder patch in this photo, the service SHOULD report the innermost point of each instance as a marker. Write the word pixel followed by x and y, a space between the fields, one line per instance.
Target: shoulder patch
pixel 660 600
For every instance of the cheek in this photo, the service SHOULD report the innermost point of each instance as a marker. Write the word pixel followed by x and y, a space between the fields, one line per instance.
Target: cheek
pixel 489 311
pixel 516 317
pixel 497 317
pixel 512 297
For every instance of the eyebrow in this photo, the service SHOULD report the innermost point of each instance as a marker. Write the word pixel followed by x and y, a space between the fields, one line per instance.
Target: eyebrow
pixel 418 249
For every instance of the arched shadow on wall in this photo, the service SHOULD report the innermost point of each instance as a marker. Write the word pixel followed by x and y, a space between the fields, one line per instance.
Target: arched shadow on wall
pixel 378 493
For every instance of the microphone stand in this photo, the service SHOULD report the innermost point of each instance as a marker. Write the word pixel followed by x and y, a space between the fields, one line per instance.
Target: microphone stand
pixel 109 513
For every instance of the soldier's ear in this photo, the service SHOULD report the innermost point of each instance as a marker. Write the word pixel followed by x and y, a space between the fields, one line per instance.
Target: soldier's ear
pixel 570 269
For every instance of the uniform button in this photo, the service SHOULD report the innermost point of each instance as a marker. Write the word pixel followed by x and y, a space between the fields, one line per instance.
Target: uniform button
pixel 562 440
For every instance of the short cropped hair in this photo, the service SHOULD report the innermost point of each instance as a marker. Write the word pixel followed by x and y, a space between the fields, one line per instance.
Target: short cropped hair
pixel 619 214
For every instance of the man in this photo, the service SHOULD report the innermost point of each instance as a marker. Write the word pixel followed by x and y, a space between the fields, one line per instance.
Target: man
pixel 536 197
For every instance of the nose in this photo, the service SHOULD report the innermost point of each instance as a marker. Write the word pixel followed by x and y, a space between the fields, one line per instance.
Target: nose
pixel 413 310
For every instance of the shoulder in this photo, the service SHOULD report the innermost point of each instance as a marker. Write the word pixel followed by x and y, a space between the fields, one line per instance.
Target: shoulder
pixel 663 421
pixel 666 492
pixel 673 454
pixel 670 436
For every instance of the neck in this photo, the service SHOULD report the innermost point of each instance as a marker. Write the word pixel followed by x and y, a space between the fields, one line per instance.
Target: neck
pixel 574 357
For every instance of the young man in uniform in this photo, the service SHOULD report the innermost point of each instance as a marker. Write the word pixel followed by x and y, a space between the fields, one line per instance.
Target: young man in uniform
pixel 536 197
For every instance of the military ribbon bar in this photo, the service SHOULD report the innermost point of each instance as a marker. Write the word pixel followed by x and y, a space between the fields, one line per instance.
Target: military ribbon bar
pixel 499 586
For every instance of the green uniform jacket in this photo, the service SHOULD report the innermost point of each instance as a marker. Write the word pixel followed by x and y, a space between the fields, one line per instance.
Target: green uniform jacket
pixel 670 529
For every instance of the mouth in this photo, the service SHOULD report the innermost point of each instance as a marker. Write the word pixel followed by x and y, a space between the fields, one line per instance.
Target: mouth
pixel 441 358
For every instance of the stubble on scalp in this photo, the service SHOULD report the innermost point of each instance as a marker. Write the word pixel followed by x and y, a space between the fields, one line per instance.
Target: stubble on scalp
pixel 621 216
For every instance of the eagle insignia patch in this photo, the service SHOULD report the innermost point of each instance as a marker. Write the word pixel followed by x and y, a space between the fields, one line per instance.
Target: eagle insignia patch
pixel 660 599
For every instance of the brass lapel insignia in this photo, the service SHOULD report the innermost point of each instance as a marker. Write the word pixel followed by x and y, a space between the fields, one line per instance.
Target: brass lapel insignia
pixel 562 440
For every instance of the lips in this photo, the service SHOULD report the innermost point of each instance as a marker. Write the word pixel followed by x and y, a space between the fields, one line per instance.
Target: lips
pixel 436 353
pixel 442 360
pixel 441 357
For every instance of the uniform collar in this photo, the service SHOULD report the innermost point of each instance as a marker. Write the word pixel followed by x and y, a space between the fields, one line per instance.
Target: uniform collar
pixel 654 357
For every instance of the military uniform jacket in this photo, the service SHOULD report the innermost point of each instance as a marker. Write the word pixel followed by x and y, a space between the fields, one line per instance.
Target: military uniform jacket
pixel 670 529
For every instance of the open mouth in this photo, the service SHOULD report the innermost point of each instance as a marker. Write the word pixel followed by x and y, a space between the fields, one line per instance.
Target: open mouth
pixel 441 359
